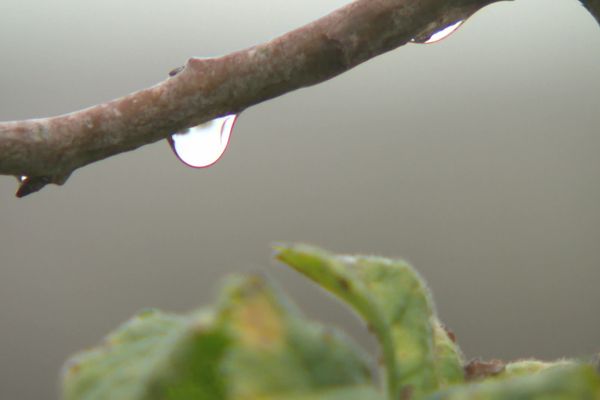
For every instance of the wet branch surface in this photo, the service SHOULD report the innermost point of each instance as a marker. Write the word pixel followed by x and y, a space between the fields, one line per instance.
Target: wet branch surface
pixel 48 150
pixel 593 6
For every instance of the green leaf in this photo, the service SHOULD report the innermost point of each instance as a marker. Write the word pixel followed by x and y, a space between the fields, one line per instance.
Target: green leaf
pixel 527 367
pixel 570 382
pixel 153 356
pixel 276 352
pixel 393 300
pixel 254 345
pixel 449 360
pixel 366 392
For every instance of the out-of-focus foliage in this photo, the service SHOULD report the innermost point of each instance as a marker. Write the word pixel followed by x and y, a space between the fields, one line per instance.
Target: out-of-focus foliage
pixel 554 383
pixel 254 344
pixel 394 301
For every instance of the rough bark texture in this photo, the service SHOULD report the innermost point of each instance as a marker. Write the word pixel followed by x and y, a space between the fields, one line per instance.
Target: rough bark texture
pixel 48 150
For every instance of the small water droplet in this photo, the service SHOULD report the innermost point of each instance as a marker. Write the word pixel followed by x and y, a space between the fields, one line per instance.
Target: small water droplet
pixel 202 145
pixel 23 178
pixel 441 34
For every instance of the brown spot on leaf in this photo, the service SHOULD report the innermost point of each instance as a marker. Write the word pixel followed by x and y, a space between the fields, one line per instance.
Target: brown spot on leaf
pixel 449 332
pixel 406 393
pixel 71 368
pixel 344 284
pixel 478 369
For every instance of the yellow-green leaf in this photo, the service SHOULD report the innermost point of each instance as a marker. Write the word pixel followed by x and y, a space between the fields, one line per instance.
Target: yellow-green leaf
pixel 254 345
pixel 392 298
pixel 570 382
pixel 276 352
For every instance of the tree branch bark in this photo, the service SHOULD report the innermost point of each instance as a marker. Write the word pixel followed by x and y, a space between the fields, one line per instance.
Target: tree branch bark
pixel 48 150
pixel 593 6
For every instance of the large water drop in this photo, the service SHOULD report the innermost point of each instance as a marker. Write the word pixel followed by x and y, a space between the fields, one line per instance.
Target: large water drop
pixel 203 145
pixel 442 33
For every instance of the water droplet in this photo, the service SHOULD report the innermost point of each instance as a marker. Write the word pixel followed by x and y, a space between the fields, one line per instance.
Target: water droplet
pixel 441 34
pixel 202 145
pixel 23 178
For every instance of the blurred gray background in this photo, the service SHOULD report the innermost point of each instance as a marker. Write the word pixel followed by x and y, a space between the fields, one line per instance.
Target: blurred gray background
pixel 476 159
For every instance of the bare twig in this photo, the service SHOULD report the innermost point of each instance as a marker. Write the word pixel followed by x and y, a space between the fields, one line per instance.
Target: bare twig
pixel 48 150
pixel 593 6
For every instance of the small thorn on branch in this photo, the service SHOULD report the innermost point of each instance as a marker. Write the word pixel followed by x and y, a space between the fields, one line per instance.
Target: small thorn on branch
pixel 175 71
pixel 34 184
pixel 31 185
pixel 593 6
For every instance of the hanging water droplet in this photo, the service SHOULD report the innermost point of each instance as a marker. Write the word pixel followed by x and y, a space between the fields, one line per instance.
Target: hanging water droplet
pixel 441 34
pixel 202 145
pixel 23 178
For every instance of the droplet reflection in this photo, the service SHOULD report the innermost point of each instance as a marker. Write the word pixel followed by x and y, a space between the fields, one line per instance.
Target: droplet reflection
pixel 444 33
pixel 202 145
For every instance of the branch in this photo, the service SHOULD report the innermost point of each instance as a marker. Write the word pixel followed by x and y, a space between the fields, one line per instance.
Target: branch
pixel 593 6
pixel 48 150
